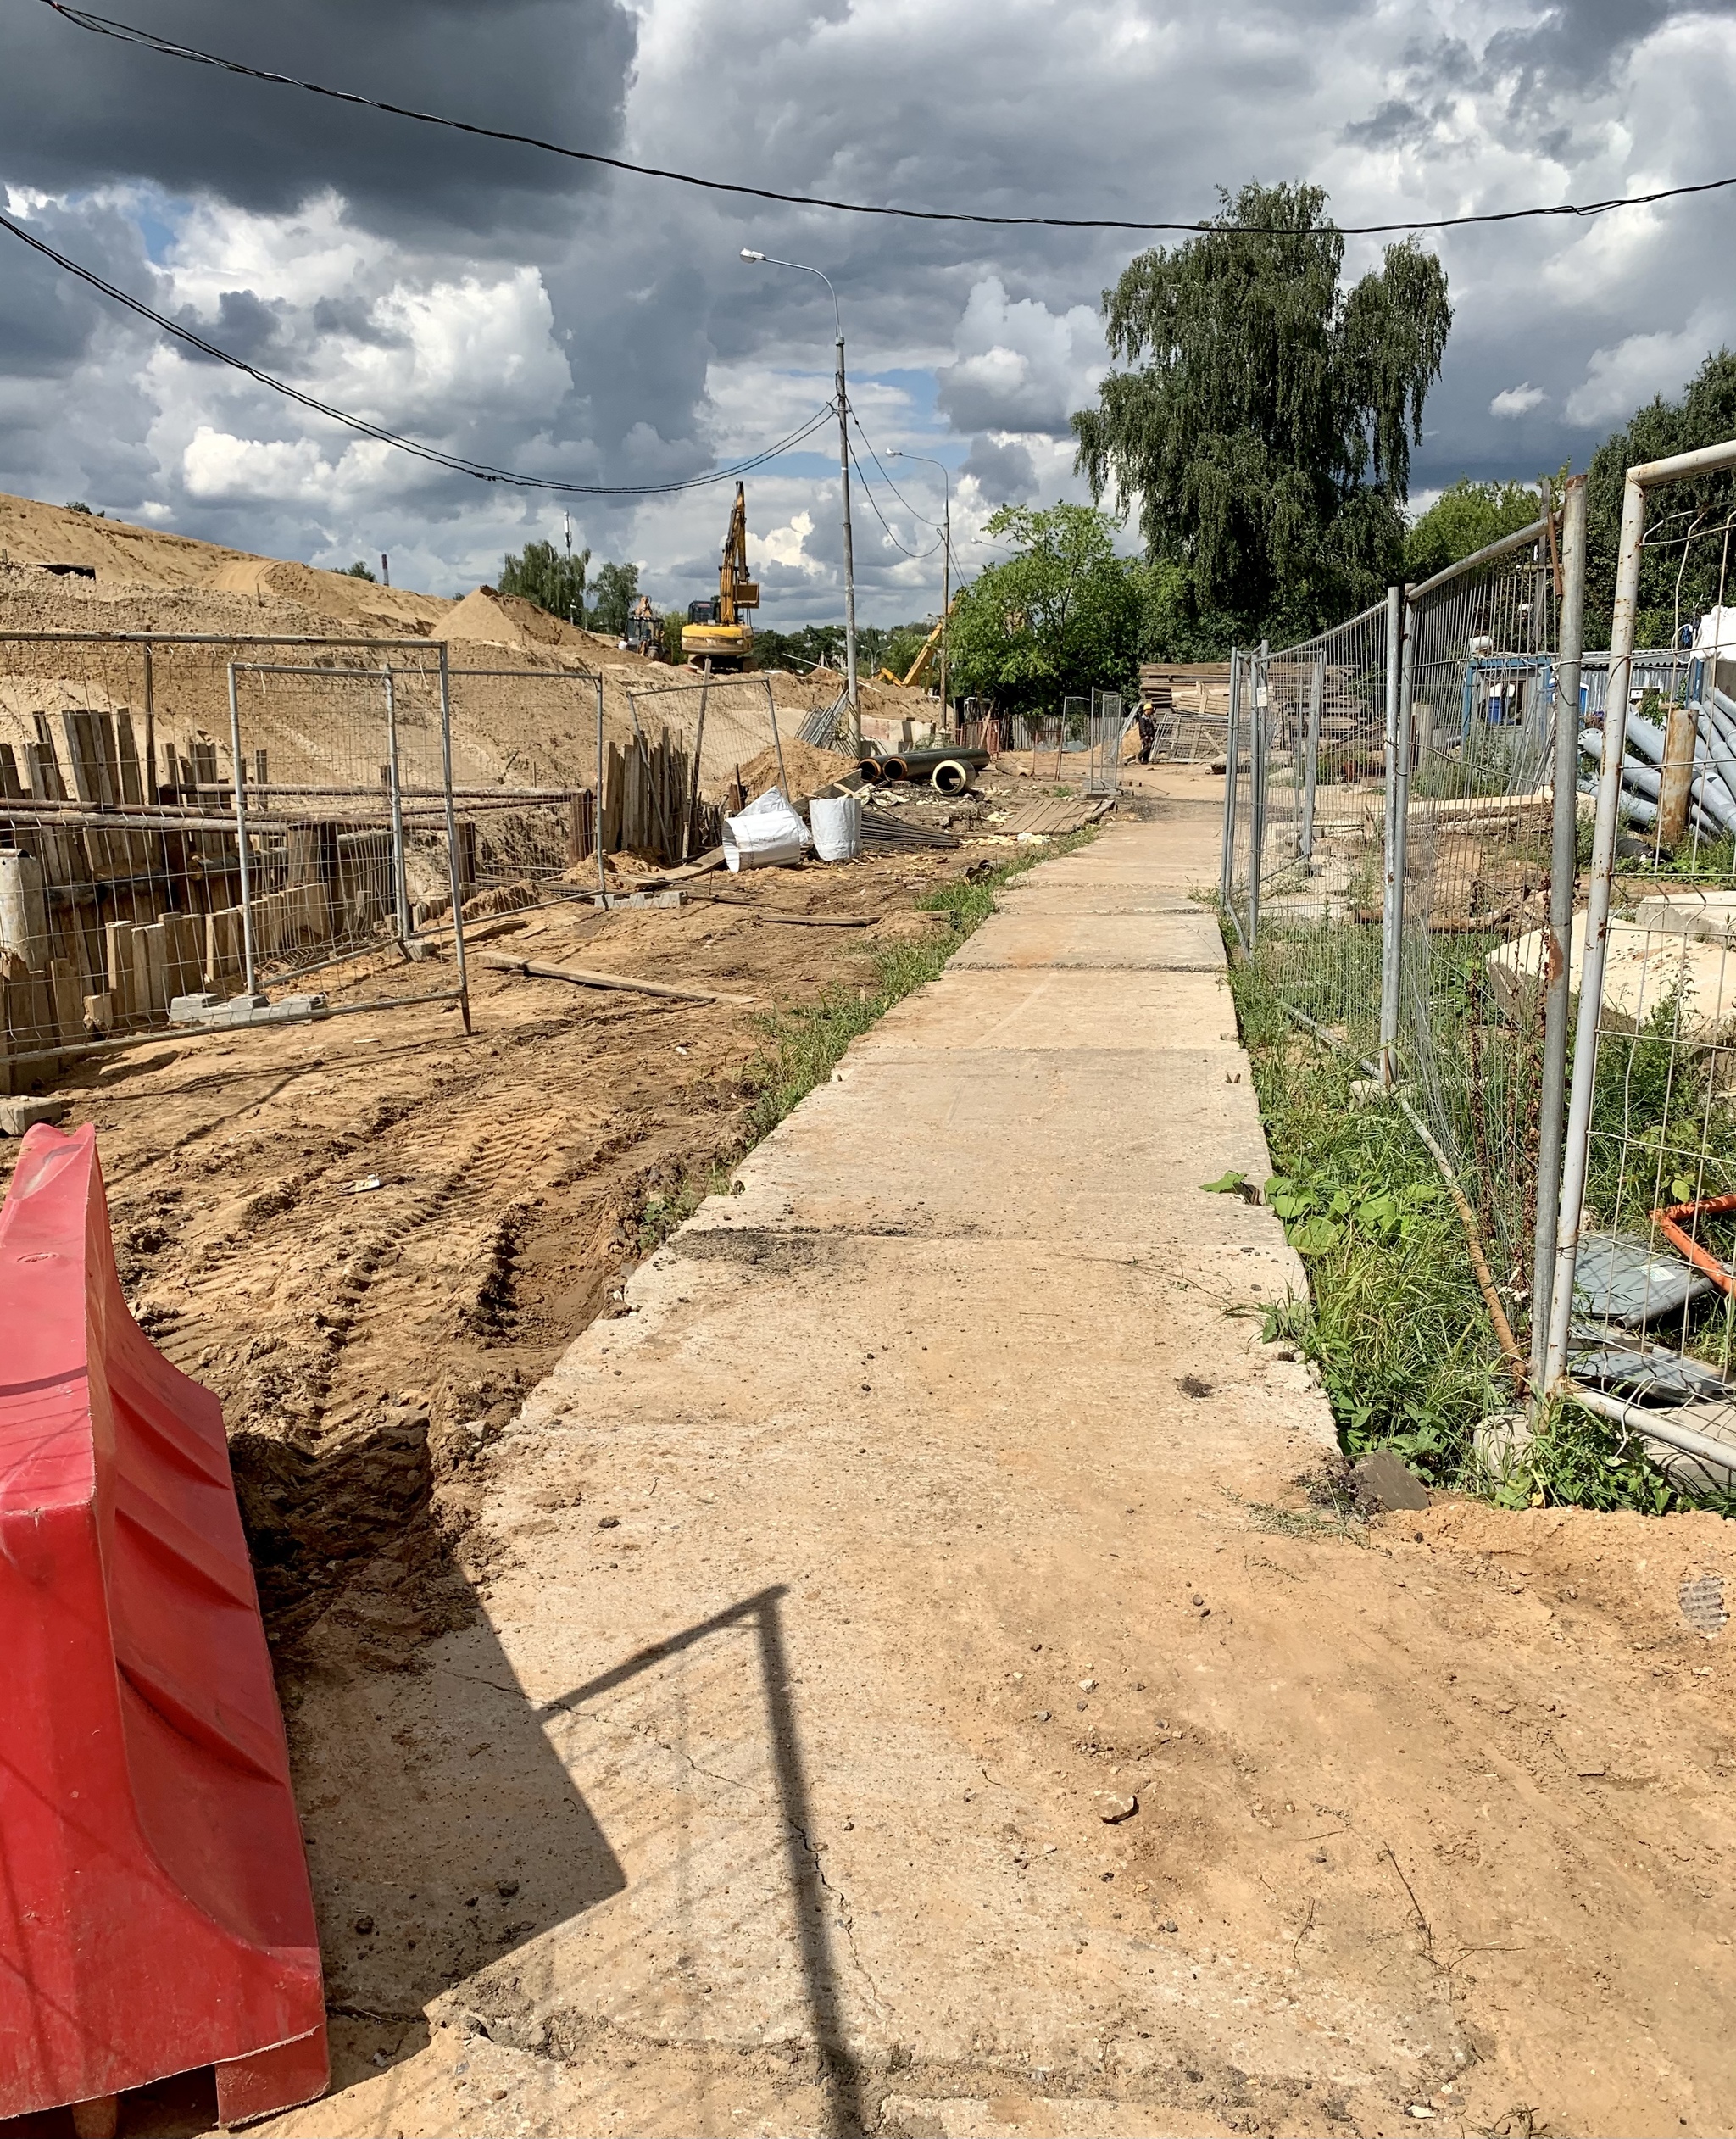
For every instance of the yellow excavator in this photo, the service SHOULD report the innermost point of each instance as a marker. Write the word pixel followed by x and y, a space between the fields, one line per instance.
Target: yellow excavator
pixel 718 631
pixel 913 676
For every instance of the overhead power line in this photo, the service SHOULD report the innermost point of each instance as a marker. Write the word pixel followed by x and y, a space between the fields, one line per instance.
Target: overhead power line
pixel 916 556
pixel 459 464
pixel 171 48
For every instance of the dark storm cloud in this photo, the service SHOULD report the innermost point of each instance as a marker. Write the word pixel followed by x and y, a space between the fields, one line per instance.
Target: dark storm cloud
pixel 47 322
pixel 1535 69
pixel 77 110
pixel 1580 45
pixel 1005 472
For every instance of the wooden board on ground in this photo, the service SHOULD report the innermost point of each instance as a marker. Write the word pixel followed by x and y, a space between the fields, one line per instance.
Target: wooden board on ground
pixel 1055 815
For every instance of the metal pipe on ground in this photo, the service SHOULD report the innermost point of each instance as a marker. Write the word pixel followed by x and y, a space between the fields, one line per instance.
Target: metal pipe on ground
pixel 920 765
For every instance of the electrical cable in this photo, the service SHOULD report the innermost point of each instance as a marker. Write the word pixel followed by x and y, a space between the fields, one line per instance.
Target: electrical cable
pixel 170 48
pixel 918 555
pixel 458 464
pixel 887 480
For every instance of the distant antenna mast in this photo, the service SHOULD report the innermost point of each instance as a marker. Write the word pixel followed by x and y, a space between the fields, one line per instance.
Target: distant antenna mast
pixel 567 519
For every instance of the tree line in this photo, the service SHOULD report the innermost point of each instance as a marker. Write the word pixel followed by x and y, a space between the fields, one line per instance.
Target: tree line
pixel 1255 431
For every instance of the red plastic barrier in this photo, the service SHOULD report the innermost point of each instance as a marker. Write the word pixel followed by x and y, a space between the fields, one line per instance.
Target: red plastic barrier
pixel 154 1908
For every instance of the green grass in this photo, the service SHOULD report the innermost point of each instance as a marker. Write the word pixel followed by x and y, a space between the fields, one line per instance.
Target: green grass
pixel 1396 1325
pixel 661 1214
pixel 805 1042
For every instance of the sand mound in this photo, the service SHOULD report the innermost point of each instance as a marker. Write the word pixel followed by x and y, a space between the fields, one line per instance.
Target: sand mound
pixel 492 619
pixel 809 769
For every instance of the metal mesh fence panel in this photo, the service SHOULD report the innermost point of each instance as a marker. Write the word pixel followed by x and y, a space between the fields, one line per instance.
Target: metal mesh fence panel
pixel 1305 812
pixel 1643 1318
pixel 1081 744
pixel 698 751
pixel 1479 708
pixel 254 821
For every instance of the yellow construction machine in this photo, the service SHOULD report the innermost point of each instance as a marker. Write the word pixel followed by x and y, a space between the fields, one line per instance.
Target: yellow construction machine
pixel 718 631
pixel 913 676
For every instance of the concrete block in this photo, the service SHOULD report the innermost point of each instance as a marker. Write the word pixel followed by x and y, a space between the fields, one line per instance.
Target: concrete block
pixel 18 1114
pixel 1178 942
pixel 1643 968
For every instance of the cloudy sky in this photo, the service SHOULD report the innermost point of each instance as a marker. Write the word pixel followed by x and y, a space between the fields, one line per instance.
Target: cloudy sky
pixel 545 316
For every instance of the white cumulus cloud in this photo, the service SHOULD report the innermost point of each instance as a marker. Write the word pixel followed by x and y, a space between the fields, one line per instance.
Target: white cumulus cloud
pixel 1517 401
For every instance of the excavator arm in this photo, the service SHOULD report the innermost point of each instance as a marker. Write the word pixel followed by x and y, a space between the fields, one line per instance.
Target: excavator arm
pixel 919 667
pixel 736 590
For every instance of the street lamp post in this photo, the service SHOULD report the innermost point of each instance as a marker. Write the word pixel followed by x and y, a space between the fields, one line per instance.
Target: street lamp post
pixel 897 452
pixel 843 470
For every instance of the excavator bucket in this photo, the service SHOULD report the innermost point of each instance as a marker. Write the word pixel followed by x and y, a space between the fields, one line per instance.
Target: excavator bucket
pixel 154 1909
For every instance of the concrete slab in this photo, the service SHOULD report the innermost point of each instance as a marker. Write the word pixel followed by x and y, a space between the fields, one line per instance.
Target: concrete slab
pixel 1024 899
pixel 1184 941
pixel 708 1670
pixel 1067 1144
pixel 1058 1007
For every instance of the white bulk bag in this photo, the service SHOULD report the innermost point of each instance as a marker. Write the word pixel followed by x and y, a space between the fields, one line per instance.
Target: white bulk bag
pixel 837 820
pixel 766 834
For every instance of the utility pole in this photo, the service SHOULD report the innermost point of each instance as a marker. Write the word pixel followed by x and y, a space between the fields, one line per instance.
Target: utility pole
pixel 843 469
pixel 567 521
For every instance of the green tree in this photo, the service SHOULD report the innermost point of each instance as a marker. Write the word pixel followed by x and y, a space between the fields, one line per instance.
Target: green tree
pixel 616 588
pixel 358 571
pixel 1464 519
pixel 1060 615
pixel 1263 419
pixel 546 575
pixel 1706 415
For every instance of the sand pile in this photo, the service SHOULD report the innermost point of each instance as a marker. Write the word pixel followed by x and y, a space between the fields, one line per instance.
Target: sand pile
pixel 809 769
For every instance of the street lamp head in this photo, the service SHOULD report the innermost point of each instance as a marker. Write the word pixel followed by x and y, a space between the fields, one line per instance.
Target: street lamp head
pixel 748 254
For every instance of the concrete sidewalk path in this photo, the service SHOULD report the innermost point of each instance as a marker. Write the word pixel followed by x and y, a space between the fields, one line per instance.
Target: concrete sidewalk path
pixel 936 1710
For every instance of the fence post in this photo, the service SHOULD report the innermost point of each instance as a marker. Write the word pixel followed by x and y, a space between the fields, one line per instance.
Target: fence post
pixel 1260 738
pixel 1398 789
pixel 1575 1151
pixel 1227 880
pixel 1310 771
pixel 1564 863
pixel 602 872
pixel 400 880
pixel 241 835
pixel 453 871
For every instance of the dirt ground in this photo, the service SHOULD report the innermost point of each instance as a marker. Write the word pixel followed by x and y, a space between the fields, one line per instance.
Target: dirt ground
pixel 1445 1836
pixel 371 1237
